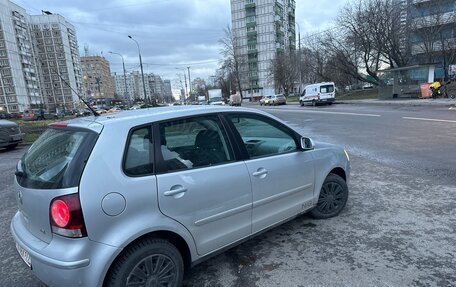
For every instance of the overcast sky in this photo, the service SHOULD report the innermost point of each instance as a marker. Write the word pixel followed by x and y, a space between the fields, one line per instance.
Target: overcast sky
pixel 172 34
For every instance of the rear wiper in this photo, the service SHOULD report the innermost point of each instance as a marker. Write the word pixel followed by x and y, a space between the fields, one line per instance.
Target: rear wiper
pixel 19 173
pixel 20 170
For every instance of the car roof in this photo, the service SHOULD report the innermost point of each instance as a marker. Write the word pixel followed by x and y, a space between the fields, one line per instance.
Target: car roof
pixel 142 116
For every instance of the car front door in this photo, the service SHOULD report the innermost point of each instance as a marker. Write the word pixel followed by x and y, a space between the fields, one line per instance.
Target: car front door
pixel 200 183
pixel 282 175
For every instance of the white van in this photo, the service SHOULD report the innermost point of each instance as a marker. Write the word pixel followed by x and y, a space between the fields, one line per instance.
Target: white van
pixel 319 93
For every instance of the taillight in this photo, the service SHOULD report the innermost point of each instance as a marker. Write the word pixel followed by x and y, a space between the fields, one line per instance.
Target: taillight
pixel 66 216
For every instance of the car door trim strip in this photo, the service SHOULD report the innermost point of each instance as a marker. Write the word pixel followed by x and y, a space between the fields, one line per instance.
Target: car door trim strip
pixel 224 214
pixel 281 195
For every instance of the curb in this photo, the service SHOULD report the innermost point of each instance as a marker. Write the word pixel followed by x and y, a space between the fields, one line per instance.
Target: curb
pixel 409 103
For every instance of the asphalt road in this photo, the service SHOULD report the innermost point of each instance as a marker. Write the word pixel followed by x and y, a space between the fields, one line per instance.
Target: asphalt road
pixel 398 228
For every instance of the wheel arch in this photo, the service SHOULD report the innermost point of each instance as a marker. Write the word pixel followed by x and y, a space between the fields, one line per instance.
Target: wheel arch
pixel 174 238
pixel 340 172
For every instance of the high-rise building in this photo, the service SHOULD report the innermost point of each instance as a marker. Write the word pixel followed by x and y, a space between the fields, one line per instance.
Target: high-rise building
pixel 36 53
pixel 97 78
pixel 433 34
pixel 168 88
pixel 57 55
pixel 155 86
pixel 124 86
pixel 19 85
pixel 261 29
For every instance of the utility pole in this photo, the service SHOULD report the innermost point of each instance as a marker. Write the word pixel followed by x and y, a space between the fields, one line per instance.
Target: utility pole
pixel 189 80
pixel 185 78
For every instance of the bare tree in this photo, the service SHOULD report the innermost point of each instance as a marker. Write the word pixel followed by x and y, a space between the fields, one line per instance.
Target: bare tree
pixel 233 60
pixel 284 71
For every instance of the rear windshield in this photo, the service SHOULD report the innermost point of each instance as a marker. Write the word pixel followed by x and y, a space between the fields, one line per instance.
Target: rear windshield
pixel 326 89
pixel 56 159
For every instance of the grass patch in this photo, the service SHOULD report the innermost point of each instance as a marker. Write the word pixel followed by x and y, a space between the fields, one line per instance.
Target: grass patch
pixel 33 129
pixel 292 99
pixel 359 95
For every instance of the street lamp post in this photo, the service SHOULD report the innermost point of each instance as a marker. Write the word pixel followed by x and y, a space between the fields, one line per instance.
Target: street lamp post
pixel 142 71
pixel 185 78
pixel 126 96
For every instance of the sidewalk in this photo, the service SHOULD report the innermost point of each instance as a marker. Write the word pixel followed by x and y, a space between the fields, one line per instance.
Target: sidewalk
pixel 404 102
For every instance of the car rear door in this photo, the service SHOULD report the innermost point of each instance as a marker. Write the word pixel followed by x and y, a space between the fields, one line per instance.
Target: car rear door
pixel 201 184
pixel 52 167
pixel 282 176
pixel 327 91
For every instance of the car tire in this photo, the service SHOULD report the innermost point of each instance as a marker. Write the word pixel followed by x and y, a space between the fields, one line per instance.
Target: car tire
pixel 301 103
pixel 332 199
pixel 144 254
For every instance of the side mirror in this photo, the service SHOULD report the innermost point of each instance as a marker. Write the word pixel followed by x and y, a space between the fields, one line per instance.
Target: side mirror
pixel 307 144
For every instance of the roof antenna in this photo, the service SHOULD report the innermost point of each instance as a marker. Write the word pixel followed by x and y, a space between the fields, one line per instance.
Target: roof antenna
pixel 80 98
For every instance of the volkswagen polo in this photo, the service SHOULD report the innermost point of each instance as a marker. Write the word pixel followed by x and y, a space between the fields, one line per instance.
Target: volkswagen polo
pixel 136 198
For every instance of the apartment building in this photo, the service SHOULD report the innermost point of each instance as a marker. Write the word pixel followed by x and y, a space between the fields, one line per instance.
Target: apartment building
pixel 261 29
pixel 57 55
pixel 97 78
pixel 36 53
pixel 124 86
pixel 433 34
pixel 154 85
pixel 19 83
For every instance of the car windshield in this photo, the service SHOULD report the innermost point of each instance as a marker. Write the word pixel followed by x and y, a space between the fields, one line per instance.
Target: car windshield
pixel 46 163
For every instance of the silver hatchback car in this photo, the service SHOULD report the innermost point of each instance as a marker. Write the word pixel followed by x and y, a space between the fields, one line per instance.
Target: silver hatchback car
pixel 136 198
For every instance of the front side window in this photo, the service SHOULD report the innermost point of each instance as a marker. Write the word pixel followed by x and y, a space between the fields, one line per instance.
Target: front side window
pixel 262 136
pixel 192 143
pixel 139 153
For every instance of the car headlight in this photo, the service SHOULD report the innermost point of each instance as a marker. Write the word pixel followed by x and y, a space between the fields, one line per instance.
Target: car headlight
pixel 346 154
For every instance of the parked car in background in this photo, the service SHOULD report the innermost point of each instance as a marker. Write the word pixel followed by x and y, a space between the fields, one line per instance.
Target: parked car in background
pixel 10 134
pixel 114 110
pixel 277 100
pixel 80 224
pixel 264 100
pixel 5 116
pixel 40 114
pixel 235 100
pixel 318 93
pixel 82 113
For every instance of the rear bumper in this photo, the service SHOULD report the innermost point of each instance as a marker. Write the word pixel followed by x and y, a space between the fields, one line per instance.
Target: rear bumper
pixel 12 140
pixel 64 261
pixel 327 100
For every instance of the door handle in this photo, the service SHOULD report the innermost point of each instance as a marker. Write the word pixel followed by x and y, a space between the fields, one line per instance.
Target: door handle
pixel 176 191
pixel 260 172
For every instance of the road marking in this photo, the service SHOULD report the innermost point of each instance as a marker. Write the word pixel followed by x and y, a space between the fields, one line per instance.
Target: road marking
pixel 325 112
pixel 430 120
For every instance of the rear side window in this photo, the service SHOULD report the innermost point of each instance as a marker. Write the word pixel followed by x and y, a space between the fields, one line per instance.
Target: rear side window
pixel 192 143
pixel 327 89
pixel 139 154
pixel 56 159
